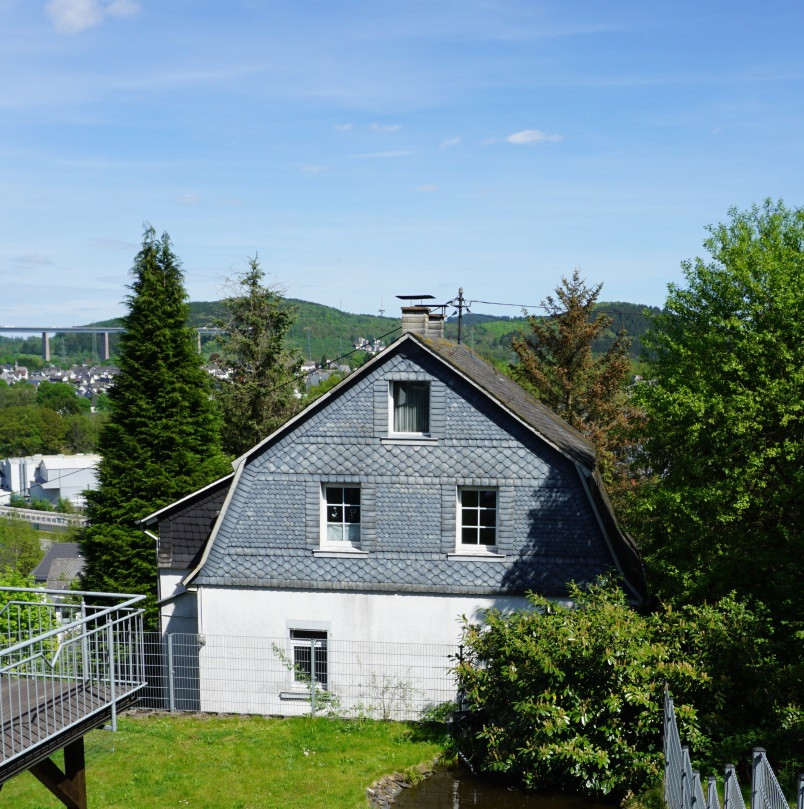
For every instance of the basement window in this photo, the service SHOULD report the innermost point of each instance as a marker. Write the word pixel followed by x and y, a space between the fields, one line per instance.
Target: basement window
pixel 309 657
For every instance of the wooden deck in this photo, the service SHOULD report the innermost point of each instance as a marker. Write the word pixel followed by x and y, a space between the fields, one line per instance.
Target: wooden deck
pixel 40 717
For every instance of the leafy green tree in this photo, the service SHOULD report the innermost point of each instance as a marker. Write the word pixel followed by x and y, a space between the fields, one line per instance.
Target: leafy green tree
pixel 557 364
pixel 569 697
pixel 28 430
pixel 161 441
pixel 61 397
pixel 260 394
pixel 20 550
pixel 17 395
pixel 725 430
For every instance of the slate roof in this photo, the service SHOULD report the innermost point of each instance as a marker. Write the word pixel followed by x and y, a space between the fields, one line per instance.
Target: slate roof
pixel 513 398
pixel 61 565
pixel 193 517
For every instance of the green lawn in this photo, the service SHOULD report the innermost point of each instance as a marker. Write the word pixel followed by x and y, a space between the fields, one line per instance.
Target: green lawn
pixel 235 762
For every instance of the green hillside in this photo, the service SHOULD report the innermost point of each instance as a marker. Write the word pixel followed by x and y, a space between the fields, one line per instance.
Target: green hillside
pixel 323 331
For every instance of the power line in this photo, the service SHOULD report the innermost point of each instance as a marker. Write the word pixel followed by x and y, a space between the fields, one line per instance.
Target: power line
pixel 542 306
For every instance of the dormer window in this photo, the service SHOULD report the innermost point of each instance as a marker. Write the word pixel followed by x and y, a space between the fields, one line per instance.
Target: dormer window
pixel 410 408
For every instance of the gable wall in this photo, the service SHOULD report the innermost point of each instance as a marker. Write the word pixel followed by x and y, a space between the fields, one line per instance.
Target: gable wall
pixel 548 531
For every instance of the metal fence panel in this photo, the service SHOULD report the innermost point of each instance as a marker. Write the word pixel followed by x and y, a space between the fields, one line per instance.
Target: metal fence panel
pixel 261 675
pixel 682 784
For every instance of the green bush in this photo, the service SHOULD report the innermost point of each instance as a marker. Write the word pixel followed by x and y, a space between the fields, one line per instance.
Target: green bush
pixel 570 697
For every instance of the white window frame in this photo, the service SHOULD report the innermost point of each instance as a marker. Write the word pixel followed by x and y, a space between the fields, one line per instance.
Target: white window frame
pixel 340 544
pixel 472 547
pixel 392 407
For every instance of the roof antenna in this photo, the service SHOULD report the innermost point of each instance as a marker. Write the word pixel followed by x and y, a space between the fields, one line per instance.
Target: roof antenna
pixel 460 312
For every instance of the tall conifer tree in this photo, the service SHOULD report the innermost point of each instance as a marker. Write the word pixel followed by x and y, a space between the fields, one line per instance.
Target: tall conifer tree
pixel 161 441
pixel 260 395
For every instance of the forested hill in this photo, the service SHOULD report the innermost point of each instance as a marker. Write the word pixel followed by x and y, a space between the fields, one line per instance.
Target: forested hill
pixel 323 331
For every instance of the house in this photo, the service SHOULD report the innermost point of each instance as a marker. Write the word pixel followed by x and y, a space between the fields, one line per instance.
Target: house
pixel 49 477
pixel 65 477
pixel 60 566
pixel 423 487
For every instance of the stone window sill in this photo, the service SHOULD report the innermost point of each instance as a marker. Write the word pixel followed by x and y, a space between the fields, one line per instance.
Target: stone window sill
pixel 464 556
pixel 337 553
pixel 410 440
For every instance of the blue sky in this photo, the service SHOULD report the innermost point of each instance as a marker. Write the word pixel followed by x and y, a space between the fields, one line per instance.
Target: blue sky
pixel 368 149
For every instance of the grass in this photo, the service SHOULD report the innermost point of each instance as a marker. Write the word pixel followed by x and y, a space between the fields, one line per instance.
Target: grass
pixel 159 761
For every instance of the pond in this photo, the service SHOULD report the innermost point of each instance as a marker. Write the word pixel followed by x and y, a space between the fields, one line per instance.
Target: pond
pixel 457 789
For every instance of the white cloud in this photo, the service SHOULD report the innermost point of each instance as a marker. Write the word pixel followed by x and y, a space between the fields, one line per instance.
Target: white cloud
pixel 450 142
pixel 73 16
pixel 113 244
pixel 30 259
pixel 190 199
pixel 426 189
pixel 343 127
pixel 386 127
pixel 392 153
pixel 532 136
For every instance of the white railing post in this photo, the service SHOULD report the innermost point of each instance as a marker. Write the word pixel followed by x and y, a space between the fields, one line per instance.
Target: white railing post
pixel 110 644
pixel 84 643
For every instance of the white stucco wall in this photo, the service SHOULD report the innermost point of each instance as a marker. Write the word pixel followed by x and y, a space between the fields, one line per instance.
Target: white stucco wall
pixel 358 616
pixel 177 609
pixel 388 655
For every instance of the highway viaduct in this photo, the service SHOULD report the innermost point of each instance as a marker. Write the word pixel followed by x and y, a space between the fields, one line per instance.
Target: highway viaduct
pixel 104 331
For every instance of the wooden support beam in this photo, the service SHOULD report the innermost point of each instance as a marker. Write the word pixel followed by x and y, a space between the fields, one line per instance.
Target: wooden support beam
pixel 70 786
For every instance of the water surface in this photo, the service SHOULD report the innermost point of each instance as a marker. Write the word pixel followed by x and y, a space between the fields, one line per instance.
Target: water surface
pixel 457 789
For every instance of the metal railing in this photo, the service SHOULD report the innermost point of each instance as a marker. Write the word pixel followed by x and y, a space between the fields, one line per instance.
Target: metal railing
pixel 682 784
pixel 52 518
pixel 63 660
pixel 292 676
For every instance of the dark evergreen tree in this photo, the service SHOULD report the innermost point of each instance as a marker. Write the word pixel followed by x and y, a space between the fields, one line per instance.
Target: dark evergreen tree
pixel 260 394
pixel 161 441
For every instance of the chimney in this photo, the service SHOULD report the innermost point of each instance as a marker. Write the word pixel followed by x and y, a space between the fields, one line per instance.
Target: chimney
pixel 421 318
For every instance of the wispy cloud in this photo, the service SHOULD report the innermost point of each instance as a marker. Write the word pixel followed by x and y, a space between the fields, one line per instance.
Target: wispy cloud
pixel 74 16
pixel 312 168
pixel 32 259
pixel 343 127
pixel 190 199
pixel 426 189
pixel 112 244
pixel 532 136
pixel 392 153
pixel 386 127
pixel 450 142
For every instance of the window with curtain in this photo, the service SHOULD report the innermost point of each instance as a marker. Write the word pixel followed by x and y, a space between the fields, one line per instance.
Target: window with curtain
pixel 411 401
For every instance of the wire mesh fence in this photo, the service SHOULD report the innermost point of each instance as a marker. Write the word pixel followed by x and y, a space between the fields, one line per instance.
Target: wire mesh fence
pixel 304 673
pixel 682 784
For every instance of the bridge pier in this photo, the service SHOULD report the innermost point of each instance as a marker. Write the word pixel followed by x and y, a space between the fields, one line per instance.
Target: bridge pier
pixel 45 347
pixel 104 349
pixel 198 341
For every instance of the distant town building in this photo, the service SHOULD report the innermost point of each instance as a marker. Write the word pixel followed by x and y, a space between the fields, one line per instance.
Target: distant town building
pixel 49 477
